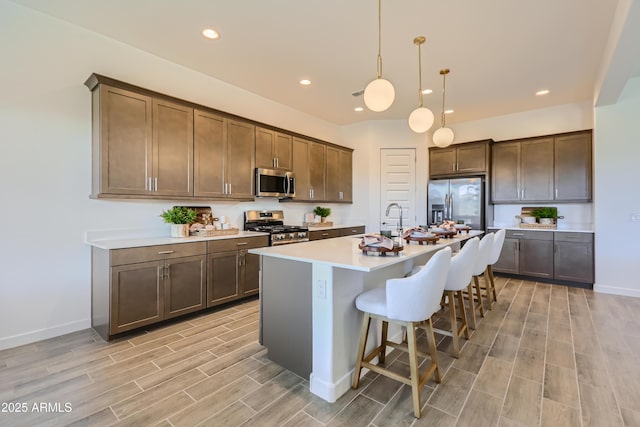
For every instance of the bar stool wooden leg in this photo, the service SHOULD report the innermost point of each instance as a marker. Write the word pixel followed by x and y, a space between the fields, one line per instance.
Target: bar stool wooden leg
pixel 364 332
pixel 413 367
pixel 464 314
pixel 382 355
pixel 493 282
pixel 431 338
pixel 488 289
pixel 472 307
pixel 479 295
pixel 453 318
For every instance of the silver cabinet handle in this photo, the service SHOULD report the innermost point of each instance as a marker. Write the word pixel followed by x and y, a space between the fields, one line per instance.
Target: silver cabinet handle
pixel 165 252
pixel 324 234
pixel 148 184
pixel 277 162
pixel 457 166
pixel 518 234
pixel 556 192
pixel 155 184
pixel 242 243
pixel 229 189
pixel 274 162
pixel 453 167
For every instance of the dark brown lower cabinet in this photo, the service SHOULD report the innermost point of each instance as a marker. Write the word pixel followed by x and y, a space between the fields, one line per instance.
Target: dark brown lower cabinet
pixel 135 287
pixel 562 256
pixel 233 273
pixel 574 257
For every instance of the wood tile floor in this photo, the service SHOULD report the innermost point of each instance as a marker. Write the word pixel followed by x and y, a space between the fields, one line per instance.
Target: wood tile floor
pixel 546 355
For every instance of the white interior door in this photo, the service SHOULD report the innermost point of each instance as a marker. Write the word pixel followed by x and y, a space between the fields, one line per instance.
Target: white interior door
pixel 398 185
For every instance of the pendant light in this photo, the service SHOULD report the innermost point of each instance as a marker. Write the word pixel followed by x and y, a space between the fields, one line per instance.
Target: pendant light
pixel 420 119
pixel 379 93
pixel 443 137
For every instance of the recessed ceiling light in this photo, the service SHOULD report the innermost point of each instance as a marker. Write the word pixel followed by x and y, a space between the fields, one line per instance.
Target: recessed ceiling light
pixel 358 109
pixel 427 91
pixel 542 92
pixel 305 82
pixel 448 111
pixel 210 34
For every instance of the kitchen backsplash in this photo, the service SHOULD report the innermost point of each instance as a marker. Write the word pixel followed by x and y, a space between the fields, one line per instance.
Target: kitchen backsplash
pixel 576 215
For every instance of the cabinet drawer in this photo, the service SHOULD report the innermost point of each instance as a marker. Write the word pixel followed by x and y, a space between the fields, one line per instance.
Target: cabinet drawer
pixel 351 231
pixel 573 237
pixel 324 234
pixel 239 243
pixel 527 234
pixel 158 252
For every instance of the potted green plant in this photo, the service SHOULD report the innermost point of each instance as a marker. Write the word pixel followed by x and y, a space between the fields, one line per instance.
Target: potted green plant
pixel 545 215
pixel 323 213
pixel 179 217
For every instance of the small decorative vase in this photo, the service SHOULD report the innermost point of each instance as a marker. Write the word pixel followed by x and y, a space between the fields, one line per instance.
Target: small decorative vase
pixel 546 220
pixel 179 230
pixel 323 219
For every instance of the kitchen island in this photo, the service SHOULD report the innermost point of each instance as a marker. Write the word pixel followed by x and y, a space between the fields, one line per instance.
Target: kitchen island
pixel 308 319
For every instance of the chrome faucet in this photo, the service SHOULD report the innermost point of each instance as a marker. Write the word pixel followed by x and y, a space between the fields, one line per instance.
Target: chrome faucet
pixel 397 206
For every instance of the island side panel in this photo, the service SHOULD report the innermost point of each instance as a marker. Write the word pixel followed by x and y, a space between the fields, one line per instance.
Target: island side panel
pixel 285 317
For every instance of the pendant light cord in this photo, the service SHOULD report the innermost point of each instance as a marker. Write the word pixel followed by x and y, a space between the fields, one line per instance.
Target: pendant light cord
pixel 419 75
pixel 379 65
pixel 444 79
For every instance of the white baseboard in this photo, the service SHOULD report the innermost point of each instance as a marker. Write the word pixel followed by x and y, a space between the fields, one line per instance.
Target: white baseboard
pixel 627 292
pixel 43 334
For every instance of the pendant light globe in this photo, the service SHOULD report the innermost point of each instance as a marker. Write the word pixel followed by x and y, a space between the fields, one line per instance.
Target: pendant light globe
pixel 421 120
pixel 443 137
pixel 379 95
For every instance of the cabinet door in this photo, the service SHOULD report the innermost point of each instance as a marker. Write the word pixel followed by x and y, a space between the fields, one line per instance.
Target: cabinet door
pixel 536 170
pixel 505 172
pixel 239 161
pixel 442 161
pixel 185 283
pixel 222 278
pixel 317 171
pixel 209 138
pixel 265 148
pixel 249 274
pixel 136 295
pixel 172 149
pixel 509 261
pixel 573 167
pixel 333 179
pixel 125 164
pixel 573 261
pixel 471 158
pixel 536 258
pixel 283 151
pixel 345 176
pixel 301 168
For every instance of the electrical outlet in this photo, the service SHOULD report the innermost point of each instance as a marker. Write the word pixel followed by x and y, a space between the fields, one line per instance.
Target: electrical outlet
pixel 321 289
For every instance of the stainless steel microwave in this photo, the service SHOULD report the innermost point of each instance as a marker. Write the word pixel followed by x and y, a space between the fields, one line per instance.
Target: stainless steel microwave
pixel 275 183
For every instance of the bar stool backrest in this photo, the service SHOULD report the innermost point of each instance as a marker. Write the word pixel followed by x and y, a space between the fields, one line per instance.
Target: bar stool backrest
pixel 498 241
pixel 484 252
pixel 462 266
pixel 416 298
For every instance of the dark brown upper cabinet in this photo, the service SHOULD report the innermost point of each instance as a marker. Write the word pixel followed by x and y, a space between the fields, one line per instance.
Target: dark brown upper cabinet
pixel 273 149
pixel 470 158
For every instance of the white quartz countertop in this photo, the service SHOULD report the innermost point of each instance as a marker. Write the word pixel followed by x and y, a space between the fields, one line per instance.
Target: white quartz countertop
pixel 343 252
pixel 164 240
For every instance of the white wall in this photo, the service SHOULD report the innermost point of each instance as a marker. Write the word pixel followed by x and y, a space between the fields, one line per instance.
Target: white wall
pixel 45 163
pixel 616 156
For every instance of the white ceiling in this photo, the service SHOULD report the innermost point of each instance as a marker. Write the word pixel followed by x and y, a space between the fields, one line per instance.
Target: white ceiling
pixel 500 52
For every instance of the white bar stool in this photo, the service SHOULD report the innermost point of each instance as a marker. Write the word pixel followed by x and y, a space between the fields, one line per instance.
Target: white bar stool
pixel 408 302
pixel 480 265
pixel 496 249
pixel 458 280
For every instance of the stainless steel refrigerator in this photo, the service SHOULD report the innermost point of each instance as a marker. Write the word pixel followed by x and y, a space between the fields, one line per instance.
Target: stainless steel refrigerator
pixel 457 199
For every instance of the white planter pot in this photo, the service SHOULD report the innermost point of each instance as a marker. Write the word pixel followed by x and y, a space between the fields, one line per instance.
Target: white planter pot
pixel 179 230
pixel 546 220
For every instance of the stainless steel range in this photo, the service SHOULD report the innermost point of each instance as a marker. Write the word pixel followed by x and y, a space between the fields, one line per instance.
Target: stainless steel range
pixel 272 222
